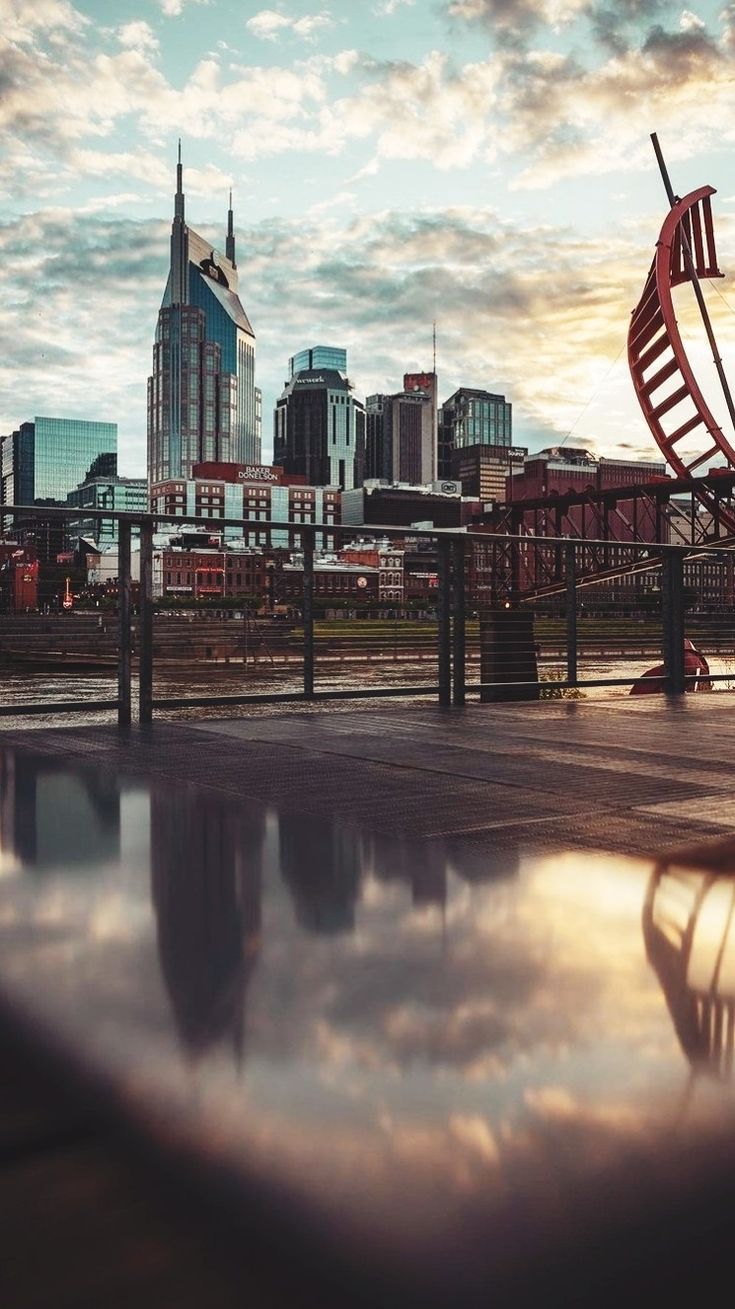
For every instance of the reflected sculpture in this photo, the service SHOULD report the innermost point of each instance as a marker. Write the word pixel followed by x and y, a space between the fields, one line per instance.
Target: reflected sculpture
pixel 688 930
pixel 206 870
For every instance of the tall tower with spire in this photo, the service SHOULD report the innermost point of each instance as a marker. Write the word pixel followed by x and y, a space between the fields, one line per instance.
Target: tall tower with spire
pixel 202 399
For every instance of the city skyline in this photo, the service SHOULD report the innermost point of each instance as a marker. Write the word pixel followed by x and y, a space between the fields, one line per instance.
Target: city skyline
pixel 463 161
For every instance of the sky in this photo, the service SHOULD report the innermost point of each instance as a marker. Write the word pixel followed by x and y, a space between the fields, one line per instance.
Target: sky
pixel 484 164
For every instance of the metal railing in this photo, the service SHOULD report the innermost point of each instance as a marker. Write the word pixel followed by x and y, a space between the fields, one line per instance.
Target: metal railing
pixel 644 612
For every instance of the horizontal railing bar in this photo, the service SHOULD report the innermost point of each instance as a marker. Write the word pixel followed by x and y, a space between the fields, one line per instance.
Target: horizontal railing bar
pixel 532 543
pixel 292 697
pixel 58 707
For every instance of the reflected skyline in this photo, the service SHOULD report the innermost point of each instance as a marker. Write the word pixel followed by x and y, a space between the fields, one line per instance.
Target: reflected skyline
pixel 206 887
pixel 51 815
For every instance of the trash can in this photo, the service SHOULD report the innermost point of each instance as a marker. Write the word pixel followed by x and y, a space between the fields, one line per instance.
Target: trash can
pixel 508 655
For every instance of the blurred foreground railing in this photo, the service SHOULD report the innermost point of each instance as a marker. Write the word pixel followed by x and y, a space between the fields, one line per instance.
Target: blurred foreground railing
pixel 511 617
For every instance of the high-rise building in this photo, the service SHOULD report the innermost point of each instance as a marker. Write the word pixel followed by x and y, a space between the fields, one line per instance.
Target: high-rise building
pixel 319 425
pixel 202 399
pixel 472 417
pixel 401 437
pixel 484 470
pixel 45 459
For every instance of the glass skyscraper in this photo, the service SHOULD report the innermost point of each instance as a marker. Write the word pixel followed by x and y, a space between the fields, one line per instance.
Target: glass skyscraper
pixel 46 459
pixel 203 404
pixel 472 417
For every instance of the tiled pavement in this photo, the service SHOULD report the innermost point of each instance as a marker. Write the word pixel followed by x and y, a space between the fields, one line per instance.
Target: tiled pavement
pixel 617 775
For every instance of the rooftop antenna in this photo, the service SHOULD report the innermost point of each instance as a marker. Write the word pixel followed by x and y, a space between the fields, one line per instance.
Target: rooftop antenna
pixel 692 274
pixel 434 363
pixel 230 243
pixel 179 203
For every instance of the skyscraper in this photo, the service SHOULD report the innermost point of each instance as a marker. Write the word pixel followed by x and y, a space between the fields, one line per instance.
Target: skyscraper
pixel 319 424
pixel 472 417
pixel 45 459
pixel 401 437
pixel 202 399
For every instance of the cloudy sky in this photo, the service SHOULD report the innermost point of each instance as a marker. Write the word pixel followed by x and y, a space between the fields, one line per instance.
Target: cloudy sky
pixel 482 163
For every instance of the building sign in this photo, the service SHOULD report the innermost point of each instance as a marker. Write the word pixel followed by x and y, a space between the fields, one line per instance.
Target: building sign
pixel 259 473
pixel 418 382
pixel 221 472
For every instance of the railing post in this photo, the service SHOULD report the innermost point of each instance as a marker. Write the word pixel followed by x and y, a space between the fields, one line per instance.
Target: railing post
pixel 123 608
pixel 571 613
pixel 672 605
pixel 308 539
pixel 444 620
pixel 145 624
pixel 459 642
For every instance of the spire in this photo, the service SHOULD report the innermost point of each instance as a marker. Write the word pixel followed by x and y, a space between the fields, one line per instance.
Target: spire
pixel 179 201
pixel 178 282
pixel 230 243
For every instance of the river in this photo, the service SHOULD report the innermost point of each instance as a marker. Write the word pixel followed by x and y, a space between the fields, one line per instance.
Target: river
pixel 22 687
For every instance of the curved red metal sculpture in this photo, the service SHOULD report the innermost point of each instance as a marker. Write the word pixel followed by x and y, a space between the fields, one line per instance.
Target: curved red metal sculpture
pixel 654 338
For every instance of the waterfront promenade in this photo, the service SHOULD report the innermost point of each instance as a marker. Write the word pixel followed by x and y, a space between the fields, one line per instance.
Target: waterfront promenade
pixel 624 775
pixel 633 778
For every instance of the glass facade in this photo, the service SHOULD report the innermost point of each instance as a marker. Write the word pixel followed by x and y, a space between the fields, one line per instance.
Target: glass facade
pixel 472 417
pixel 64 450
pixel 318 356
pixel 118 494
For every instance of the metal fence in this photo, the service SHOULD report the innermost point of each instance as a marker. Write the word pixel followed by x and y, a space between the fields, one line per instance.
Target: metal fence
pixel 510 617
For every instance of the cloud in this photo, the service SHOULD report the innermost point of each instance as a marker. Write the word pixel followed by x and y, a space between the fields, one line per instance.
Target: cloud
pixel 513 22
pixel 138 35
pixel 386 8
pixel 174 8
pixel 268 24
pixel 23 21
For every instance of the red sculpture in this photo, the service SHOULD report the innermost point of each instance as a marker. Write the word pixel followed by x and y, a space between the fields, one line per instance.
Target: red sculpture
pixel 695 665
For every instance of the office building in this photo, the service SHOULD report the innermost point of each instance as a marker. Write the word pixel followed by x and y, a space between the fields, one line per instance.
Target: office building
pixel 401 437
pixel 385 505
pixel 472 417
pixel 484 470
pixel 46 459
pixel 258 492
pixel 102 491
pixel 202 399
pixel 319 430
pixel 559 469
pixel 40 463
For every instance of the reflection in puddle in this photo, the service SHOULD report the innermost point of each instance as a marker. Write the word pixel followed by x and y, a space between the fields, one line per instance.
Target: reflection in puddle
pixel 690 942
pixel 367 1017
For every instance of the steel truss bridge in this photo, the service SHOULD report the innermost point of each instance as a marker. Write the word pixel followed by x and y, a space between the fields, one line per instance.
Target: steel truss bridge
pixel 602 532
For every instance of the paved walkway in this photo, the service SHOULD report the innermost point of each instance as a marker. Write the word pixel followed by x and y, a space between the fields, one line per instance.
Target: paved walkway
pixel 618 775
